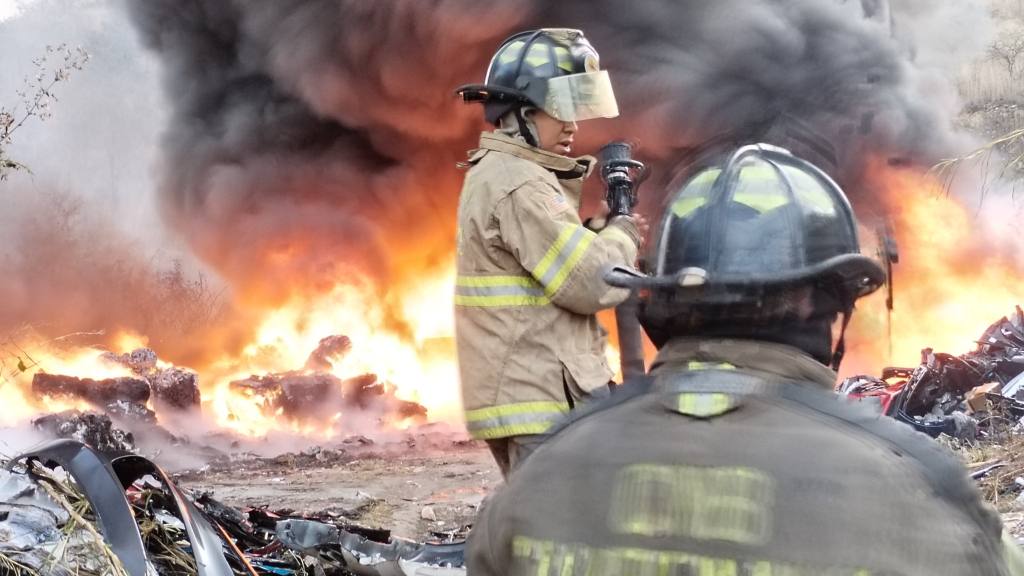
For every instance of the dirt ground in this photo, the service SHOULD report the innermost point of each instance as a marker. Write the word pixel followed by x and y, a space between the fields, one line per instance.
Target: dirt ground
pixel 429 493
pixel 419 494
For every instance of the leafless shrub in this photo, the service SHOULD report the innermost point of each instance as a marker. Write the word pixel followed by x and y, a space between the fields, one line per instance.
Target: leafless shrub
pixel 37 96
pixel 67 270
pixel 1008 48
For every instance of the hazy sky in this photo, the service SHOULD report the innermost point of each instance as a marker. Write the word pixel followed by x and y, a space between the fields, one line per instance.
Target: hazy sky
pixel 9 8
pixel 101 143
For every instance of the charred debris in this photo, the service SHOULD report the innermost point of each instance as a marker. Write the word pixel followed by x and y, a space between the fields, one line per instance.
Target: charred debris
pixel 66 509
pixel 977 396
pixel 123 410
pixel 973 403
pixel 88 504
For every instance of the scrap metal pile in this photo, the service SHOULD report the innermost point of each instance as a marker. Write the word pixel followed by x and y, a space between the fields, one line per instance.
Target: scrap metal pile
pixel 65 509
pixel 974 396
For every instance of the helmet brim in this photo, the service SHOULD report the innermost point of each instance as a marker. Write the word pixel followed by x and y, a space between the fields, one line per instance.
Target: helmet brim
pixel 858 274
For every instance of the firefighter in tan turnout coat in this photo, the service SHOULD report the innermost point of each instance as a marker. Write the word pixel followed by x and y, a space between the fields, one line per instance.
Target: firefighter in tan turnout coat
pixel 529 271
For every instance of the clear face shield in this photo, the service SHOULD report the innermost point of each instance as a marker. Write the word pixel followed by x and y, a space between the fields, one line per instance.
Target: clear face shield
pixel 580 97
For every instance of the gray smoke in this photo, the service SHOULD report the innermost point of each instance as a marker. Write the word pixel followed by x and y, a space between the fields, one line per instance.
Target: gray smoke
pixel 310 138
pixel 82 244
pixel 304 140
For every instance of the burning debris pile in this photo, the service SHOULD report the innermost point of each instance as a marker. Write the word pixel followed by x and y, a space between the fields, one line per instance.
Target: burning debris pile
pixel 130 401
pixel 64 509
pixel 315 394
pixel 974 396
pixel 148 394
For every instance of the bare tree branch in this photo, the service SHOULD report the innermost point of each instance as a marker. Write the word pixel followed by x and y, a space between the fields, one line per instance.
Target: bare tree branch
pixel 37 95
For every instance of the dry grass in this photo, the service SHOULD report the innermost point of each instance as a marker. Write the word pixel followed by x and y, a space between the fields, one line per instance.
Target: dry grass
pixel 984 154
pixel 11 566
pixel 161 540
pixel 987 81
pixel 74 502
pixel 998 487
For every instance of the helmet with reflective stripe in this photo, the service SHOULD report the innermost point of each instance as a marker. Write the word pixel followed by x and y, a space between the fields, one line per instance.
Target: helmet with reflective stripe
pixel 554 69
pixel 747 237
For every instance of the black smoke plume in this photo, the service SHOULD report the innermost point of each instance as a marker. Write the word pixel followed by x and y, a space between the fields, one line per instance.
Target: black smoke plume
pixel 314 138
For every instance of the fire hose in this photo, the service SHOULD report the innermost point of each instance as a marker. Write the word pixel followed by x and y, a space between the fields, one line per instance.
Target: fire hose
pixel 622 176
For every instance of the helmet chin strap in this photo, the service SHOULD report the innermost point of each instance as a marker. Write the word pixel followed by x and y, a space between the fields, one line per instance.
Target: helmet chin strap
pixel 840 350
pixel 522 128
pixel 526 128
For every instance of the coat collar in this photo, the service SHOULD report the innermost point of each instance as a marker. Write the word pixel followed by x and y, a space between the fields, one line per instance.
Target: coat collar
pixel 564 167
pixel 774 359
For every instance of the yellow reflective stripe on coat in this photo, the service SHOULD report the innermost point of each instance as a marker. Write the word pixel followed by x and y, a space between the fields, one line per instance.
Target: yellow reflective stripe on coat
pixel 549 558
pixel 698 365
pixel 499 291
pixel 705 406
pixel 514 419
pixel 562 257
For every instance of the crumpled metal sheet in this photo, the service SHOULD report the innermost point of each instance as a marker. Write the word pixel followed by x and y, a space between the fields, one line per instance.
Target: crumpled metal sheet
pixel 387 558
pixel 305 535
pixel 30 518
pixel 207 544
pixel 366 557
pixel 105 495
pixel 1014 387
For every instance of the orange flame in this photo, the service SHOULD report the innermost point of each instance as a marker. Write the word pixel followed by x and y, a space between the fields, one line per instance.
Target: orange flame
pixel 418 363
pixel 953 279
pixel 950 285
pixel 16 378
pixel 408 346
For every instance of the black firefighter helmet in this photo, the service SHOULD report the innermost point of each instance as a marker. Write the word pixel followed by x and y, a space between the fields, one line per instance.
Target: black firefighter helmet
pixel 751 239
pixel 554 69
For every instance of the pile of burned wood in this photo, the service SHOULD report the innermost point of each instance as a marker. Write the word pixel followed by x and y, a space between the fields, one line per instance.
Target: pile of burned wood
pixel 315 393
pixel 122 408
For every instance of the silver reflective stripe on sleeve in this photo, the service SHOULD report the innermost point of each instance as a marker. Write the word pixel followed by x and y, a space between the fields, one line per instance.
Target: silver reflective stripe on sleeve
pixel 499 291
pixel 562 257
pixel 514 419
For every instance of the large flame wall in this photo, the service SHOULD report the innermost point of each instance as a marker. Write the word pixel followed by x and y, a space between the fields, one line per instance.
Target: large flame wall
pixel 310 157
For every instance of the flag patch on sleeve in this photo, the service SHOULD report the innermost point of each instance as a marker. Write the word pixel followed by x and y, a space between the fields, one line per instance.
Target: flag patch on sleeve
pixel 556 204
